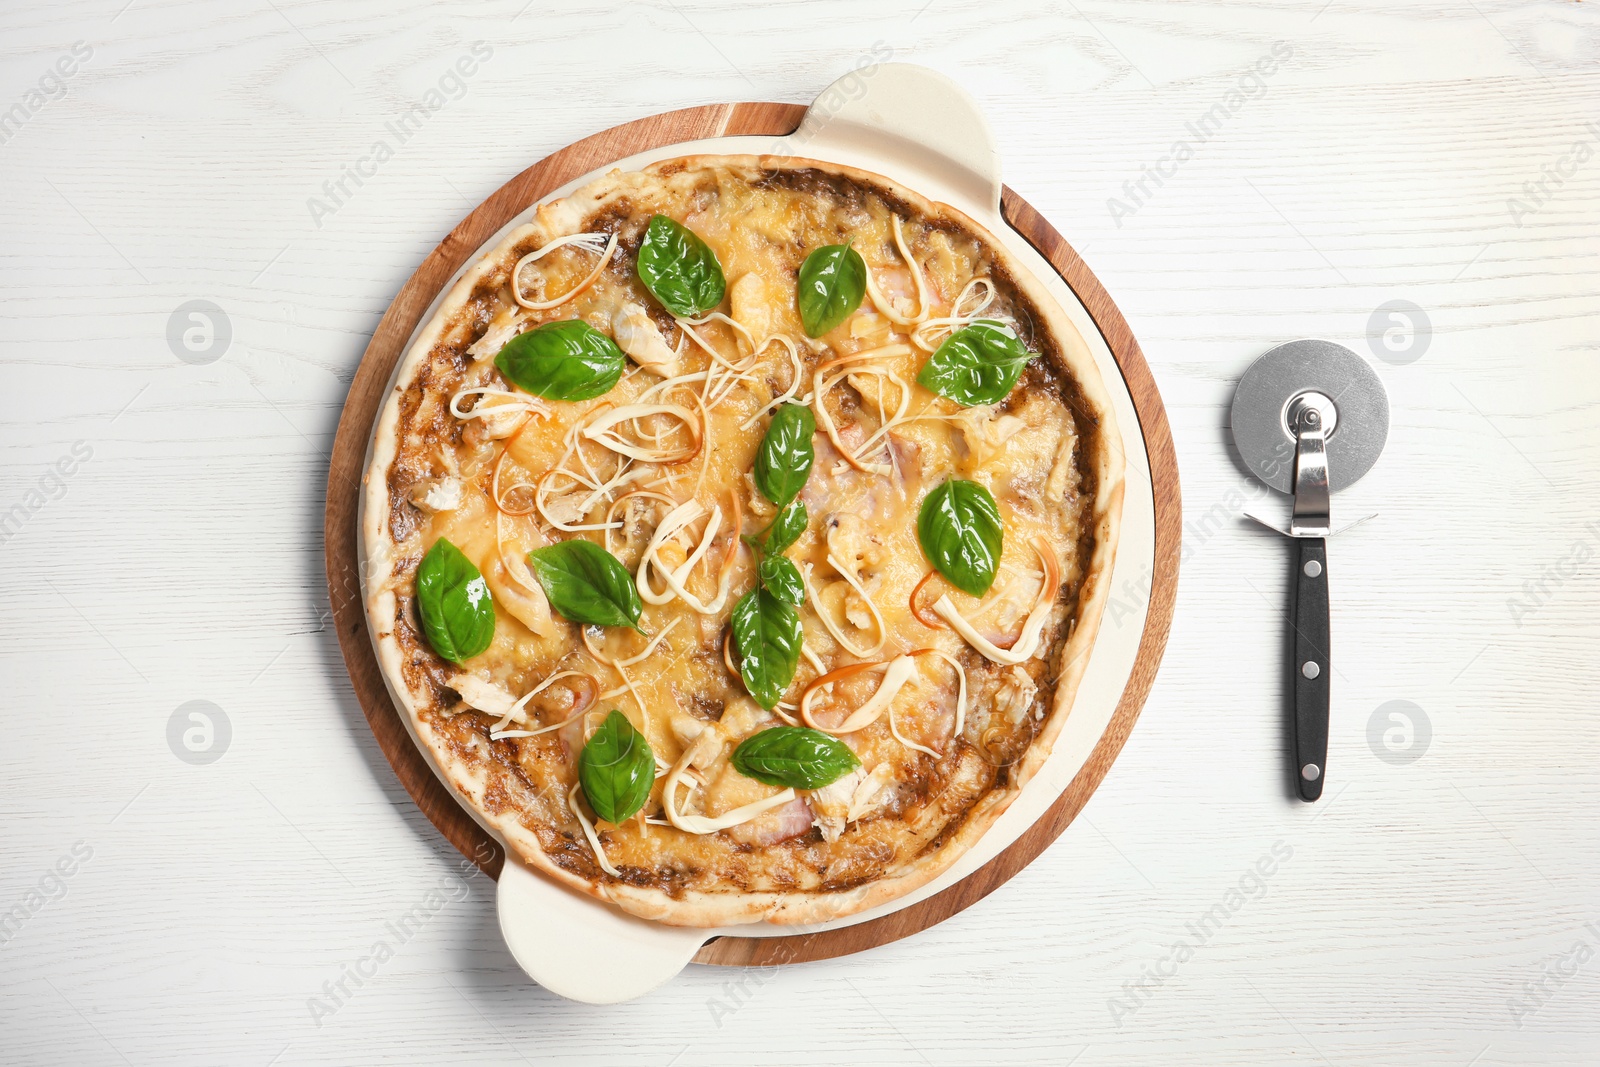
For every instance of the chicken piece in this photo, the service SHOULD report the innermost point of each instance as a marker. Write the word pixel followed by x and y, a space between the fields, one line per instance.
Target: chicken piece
pixel 1063 473
pixel 855 796
pixel 985 432
pixel 522 596
pixel 852 547
pixel 751 301
pixel 480 694
pixel 637 335
pixel 502 328
pixel 1010 694
pixel 437 494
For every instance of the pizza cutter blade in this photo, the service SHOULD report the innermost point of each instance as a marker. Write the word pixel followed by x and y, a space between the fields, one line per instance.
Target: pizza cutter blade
pixel 1310 418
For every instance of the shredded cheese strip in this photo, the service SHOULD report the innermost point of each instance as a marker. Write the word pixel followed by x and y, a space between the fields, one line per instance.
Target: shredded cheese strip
pixel 794 383
pixel 588 832
pixel 602 431
pixel 670 524
pixel 688 325
pixel 928 334
pixel 1027 643
pixel 675 578
pixel 700 824
pixel 833 628
pixel 494 485
pixel 961 691
pixel 849 575
pixel 589 242
pixel 541 500
pixel 612 523
pixel 897 672
pixel 518 713
pixel 887 307
pixel 505 403
pixel 631 660
pixel 820 385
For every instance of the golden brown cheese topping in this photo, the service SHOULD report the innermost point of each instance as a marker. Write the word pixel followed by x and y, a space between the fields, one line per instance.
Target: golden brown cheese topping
pixel 937 693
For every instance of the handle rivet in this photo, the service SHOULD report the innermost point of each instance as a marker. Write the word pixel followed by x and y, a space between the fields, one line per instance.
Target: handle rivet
pixel 1311 772
pixel 1312 568
pixel 1310 669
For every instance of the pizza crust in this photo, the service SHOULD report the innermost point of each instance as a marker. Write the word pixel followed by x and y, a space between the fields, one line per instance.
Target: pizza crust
pixel 467 775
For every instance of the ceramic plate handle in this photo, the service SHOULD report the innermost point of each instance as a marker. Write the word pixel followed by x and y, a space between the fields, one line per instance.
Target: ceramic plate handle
pixel 912 115
pixel 584 951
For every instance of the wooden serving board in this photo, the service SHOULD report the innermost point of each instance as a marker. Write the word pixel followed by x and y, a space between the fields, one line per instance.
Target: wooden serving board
pixel 367 390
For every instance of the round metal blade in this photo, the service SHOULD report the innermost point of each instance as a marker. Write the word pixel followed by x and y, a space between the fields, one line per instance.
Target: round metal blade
pixel 1273 382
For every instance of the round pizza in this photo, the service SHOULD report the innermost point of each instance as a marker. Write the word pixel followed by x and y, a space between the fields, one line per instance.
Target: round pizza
pixel 736 533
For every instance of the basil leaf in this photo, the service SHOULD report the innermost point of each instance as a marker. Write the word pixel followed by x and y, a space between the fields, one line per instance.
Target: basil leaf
pixel 794 756
pixel 768 633
pixel 783 462
pixel 978 364
pixel 586 584
pixel 786 528
pixel 679 269
pixel 782 579
pixel 566 360
pixel 616 769
pixel 454 602
pixel 830 285
pixel 959 530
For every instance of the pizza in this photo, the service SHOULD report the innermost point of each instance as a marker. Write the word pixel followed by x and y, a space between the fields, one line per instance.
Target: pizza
pixel 736 532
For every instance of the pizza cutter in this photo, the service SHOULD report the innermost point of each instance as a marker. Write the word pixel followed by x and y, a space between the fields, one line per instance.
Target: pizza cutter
pixel 1310 418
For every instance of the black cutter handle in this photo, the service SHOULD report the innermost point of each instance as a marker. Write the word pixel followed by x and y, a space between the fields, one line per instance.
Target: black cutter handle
pixel 1310 666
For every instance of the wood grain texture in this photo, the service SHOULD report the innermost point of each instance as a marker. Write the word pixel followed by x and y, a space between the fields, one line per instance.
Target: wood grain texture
pixel 185 560
pixel 367 392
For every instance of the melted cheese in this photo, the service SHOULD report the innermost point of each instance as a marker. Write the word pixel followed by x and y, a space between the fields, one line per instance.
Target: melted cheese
pixel 860 552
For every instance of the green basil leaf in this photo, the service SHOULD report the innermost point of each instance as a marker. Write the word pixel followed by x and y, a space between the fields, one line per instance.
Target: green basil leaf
pixel 959 529
pixel 768 633
pixel 782 579
pixel 786 528
pixel 794 756
pixel 783 462
pixel 587 584
pixel 616 769
pixel 566 360
pixel 830 285
pixel 679 269
pixel 978 364
pixel 454 602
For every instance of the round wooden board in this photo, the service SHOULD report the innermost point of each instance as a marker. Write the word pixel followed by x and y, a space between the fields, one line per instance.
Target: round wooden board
pixel 372 379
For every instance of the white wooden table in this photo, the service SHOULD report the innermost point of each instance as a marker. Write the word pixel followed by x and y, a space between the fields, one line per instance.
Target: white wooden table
pixel 1441 905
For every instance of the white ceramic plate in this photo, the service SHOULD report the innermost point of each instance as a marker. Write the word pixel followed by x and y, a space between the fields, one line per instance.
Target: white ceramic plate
pixel 919 128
